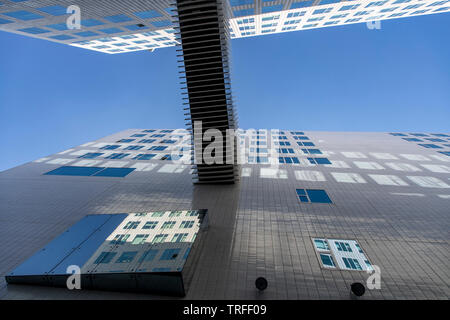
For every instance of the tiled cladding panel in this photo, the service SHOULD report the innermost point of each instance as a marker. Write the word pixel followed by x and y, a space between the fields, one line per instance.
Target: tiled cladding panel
pixel 106 24
pixel 396 211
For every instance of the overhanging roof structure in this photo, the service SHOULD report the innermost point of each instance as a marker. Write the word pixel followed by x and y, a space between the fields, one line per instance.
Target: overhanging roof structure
pixel 119 26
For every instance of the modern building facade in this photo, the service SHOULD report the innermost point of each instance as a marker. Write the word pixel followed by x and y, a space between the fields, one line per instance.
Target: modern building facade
pixel 312 212
pixel 118 26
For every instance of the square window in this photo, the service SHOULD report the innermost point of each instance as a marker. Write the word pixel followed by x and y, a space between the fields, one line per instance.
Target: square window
pixel 273 8
pixel 120 239
pixel 327 260
pixel 105 257
pixel 244 12
pixel 302 4
pixel 150 225
pixel 170 254
pixel 144 156
pixel 139 239
pixel 168 225
pixel 91 22
pixel 312 151
pixel 110 147
pixel 131 225
pixel 175 213
pixel 179 237
pixel 187 224
pixel 319 161
pixel 318 196
pixel 118 18
pixel 34 30
pixel 111 30
pixel 126 257
pixel 87 34
pixel 62 37
pixel 430 146
pixel 159 238
pixel 321 244
pixel 54 10
pixel 133 147
pixel 240 2
pixel 23 15
pixel 4 21
pixel 148 255
pixel 117 156
pixel 160 24
pixel 313 196
pixel 158 214
pixel 90 155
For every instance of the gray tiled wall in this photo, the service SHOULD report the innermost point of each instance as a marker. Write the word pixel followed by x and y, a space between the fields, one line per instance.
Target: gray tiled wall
pixel 257 227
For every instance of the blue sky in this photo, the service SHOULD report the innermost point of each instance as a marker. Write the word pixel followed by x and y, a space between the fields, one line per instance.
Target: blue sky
pixel 345 78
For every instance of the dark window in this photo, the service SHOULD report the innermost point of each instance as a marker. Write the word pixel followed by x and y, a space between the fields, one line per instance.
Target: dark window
pixel 313 195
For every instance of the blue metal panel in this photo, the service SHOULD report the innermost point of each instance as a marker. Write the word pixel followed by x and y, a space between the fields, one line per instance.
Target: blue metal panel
pixel 53 253
pixel 86 249
pixel 319 196
pixel 75 171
